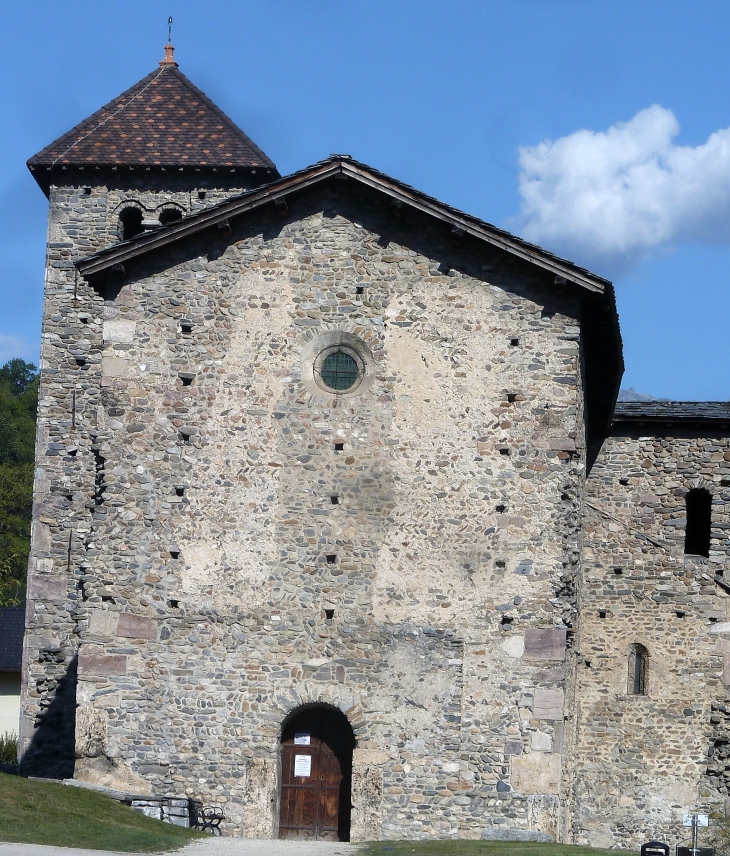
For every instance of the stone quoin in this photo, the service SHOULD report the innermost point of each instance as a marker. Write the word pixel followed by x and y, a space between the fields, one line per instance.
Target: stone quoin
pixel 336 523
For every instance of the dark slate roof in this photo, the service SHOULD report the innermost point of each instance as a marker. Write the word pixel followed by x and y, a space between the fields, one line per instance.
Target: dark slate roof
pixel 164 120
pixel 669 412
pixel 12 627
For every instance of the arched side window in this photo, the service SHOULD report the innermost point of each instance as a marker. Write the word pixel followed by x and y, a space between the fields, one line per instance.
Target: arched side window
pixel 638 669
pixel 170 215
pixel 130 223
pixel 699 522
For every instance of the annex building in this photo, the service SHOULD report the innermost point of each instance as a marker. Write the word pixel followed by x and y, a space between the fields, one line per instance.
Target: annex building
pixel 337 523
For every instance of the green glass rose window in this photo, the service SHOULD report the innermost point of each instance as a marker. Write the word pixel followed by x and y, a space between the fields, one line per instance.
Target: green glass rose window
pixel 339 371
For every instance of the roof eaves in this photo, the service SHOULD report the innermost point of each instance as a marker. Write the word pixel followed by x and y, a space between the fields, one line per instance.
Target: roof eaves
pixel 367 175
pixel 476 227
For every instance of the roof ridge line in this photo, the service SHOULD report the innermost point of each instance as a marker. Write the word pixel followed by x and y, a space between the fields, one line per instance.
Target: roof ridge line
pixel 185 80
pixel 359 171
pixel 110 116
pixel 84 122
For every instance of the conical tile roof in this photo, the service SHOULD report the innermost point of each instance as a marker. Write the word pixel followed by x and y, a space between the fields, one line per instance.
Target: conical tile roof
pixel 164 120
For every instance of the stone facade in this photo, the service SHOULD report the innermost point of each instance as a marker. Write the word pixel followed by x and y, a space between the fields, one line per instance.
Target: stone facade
pixel 187 545
pixel 220 541
pixel 641 761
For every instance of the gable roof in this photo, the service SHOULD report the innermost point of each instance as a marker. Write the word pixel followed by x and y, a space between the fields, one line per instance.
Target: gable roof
pixel 341 165
pixel 602 347
pixel 12 627
pixel 164 120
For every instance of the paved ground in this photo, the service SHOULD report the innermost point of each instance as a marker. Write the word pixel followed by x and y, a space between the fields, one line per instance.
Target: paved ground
pixel 247 847
pixel 209 847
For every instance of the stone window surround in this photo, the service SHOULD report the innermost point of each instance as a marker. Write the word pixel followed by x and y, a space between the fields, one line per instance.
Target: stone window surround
pixel 319 348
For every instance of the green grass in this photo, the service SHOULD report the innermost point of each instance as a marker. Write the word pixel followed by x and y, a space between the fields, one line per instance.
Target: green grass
pixel 479 848
pixel 49 813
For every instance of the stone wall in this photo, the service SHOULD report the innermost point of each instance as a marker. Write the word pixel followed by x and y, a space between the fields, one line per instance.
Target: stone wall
pixel 187 544
pixel 69 479
pixel 642 760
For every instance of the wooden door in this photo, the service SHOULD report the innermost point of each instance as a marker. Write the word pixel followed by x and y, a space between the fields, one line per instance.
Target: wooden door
pixel 310 804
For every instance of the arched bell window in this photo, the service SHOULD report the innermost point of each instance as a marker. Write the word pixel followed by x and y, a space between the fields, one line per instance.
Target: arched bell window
pixel 130 223
pixel 699 522
pixel 170 215
pixel 638 669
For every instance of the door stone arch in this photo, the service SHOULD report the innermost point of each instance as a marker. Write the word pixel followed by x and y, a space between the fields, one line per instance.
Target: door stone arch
pixel 315 779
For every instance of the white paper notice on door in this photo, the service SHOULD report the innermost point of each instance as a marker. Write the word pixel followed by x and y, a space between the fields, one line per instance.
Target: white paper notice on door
pixel 302 765
pixel 301 739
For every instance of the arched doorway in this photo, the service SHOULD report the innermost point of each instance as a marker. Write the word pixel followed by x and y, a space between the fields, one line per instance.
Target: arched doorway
pixel 316 774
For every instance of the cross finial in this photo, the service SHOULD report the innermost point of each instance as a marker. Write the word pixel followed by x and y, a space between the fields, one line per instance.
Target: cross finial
pixel 169 58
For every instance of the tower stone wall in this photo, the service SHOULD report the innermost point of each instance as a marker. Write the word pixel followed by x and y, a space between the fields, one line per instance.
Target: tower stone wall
pixel 83 219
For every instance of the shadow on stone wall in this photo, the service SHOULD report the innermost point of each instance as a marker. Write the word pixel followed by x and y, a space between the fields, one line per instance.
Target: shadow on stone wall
pixel 52 750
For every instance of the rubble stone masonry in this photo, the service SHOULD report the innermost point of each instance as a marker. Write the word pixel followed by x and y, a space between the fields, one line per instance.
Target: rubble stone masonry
pixel 203 505
pixel 644 760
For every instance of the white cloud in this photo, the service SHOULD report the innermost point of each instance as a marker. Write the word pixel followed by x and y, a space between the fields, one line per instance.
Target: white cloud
pixel 611 198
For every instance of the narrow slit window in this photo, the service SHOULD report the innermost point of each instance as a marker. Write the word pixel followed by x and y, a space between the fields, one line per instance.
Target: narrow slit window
pixel 699 522
pixel 638 667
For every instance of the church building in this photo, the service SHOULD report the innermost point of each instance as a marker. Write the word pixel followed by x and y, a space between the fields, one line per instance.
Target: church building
pixel 337 524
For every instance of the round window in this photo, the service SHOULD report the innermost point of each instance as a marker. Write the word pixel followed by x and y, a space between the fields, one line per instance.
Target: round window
pixel 337 363
pixel 339 371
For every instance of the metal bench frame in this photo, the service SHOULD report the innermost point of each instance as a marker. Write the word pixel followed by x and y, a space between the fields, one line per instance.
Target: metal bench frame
pixel 206 818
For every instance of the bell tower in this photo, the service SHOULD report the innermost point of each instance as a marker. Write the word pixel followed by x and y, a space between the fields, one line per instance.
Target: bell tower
pixel 158 152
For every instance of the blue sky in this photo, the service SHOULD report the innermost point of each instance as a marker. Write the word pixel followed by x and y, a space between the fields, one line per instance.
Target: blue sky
pixel 598 129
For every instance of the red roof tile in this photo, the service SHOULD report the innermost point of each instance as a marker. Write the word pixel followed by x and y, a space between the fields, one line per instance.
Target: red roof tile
pixel 164 120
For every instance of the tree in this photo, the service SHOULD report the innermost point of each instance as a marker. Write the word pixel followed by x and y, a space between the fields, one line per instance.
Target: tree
pixel 18 375
pixel 18 404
